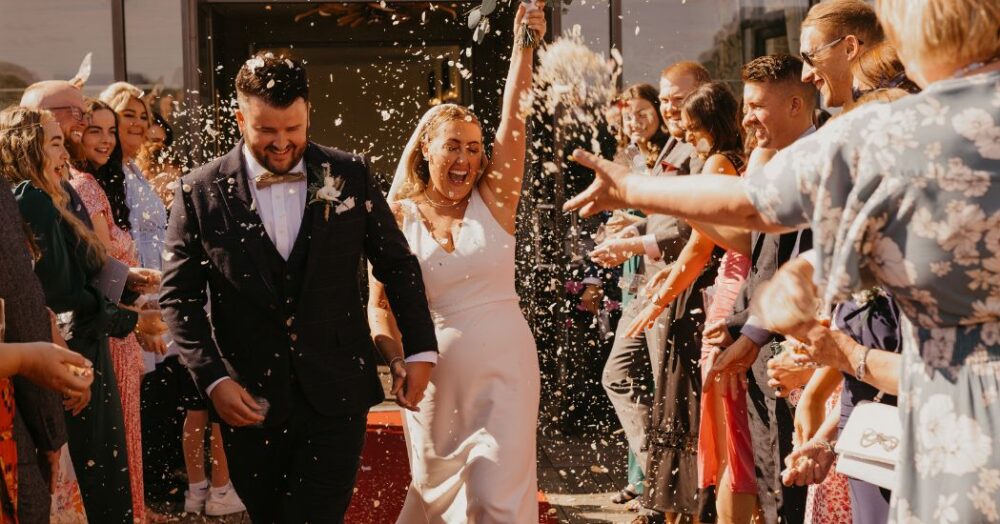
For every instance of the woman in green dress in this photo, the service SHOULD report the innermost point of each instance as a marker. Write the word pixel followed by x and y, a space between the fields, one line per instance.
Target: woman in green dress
pixel 34 161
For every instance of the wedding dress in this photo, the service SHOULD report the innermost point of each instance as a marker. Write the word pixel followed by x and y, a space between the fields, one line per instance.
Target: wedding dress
pixel 472 445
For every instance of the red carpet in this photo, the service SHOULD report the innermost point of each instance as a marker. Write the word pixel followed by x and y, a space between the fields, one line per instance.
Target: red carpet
pixel 385 474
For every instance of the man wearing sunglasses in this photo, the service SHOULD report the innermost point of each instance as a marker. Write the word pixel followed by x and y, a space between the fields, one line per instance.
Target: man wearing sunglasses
pixel 834 34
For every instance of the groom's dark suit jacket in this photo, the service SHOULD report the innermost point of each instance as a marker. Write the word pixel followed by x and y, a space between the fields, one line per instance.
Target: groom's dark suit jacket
pixel 299 324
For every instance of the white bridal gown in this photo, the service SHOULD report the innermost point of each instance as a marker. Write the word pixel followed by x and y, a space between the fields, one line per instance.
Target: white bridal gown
pixel 472 445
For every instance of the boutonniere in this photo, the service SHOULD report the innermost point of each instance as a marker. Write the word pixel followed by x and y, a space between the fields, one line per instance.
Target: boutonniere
pixel 329 194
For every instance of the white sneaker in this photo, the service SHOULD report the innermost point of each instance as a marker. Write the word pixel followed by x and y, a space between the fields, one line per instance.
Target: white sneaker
pixel 224 503
pixel 195 502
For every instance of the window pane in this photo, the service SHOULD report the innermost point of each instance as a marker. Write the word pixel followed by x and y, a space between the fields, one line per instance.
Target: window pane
pixel 47 40
pixel 720 34
pixel 154 54
pixel 593 17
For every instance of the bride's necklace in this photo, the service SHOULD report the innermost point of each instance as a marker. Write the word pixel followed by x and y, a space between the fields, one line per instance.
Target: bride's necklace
pixel 438 205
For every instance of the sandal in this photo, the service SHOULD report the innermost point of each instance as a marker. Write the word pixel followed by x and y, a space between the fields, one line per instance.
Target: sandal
pixel 625 495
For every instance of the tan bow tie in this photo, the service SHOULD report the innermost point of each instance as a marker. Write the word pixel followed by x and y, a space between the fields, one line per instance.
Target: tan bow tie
pixel 270 179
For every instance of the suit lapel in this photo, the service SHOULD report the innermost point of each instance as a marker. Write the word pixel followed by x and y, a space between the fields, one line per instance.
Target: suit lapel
pixel 259 252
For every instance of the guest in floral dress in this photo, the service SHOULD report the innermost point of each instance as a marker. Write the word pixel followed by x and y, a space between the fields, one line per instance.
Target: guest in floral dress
pixel 102 153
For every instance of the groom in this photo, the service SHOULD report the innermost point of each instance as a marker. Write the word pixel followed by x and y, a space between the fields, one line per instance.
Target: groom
pixel 273 234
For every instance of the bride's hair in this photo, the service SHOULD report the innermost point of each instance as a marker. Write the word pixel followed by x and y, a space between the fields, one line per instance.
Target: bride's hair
pixel 413 174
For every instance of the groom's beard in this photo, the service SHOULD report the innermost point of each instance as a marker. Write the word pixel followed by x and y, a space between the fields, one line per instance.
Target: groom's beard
pixel 282 166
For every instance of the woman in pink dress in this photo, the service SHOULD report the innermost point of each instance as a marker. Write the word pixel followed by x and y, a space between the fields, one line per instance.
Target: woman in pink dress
pixel 101 150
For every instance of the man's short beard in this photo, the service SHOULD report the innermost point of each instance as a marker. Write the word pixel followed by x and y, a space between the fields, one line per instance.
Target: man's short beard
pixel 266 164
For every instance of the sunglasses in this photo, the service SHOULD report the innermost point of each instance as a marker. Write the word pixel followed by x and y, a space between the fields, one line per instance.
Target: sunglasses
pixel 75 112
pixel 809 56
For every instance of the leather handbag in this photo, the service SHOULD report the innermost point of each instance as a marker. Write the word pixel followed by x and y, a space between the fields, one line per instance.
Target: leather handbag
pixel 868 447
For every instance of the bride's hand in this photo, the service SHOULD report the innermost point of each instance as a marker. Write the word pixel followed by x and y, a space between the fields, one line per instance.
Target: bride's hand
pixel 534 18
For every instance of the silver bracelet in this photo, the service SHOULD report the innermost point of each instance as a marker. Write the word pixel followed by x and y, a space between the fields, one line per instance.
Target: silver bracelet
pixel 861 371
pixel 393 361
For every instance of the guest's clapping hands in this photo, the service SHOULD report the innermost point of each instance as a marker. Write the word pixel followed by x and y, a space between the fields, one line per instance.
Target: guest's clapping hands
pixel 730 366
pixel 784 373
pixel 235 404
pixel 716 333
pixel 646 319
pixel 614 252
pixel 607 192
pixel 788 303
pixel 619 221
pixel 54 367
pixel 143 280
pixel 808 464
pixel 150 331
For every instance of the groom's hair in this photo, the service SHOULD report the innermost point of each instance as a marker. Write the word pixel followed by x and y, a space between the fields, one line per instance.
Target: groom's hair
pixel 278 80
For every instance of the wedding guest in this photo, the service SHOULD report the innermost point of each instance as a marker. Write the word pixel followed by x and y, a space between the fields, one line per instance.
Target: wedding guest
pixel 834 33
pixel 893 194
pixel 39 424
pixel 472 437
pixel 631 372
pixel 147 224
pixel 47 364
pixel 34 159
pixel 156 160
pixel 710 118
pixel 871 319
pixel 878 67
pixel 779 109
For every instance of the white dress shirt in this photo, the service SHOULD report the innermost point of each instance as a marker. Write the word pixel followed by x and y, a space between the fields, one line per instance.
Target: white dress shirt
pixel 281 208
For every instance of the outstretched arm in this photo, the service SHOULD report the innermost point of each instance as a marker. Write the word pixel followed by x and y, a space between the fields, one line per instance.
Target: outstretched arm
pixel 717 199
pixel 691 262
pixel 501 186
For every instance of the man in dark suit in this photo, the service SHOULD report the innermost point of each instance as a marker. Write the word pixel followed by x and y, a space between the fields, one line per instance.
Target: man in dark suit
pixel 276 230
pixel 779 112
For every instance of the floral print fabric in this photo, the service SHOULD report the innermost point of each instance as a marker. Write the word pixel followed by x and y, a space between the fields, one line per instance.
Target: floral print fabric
pixel 907 195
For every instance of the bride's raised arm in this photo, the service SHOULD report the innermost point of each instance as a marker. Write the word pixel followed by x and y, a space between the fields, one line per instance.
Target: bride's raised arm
pixel 505 174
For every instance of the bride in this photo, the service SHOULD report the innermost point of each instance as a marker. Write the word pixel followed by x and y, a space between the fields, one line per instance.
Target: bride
pixel 472 437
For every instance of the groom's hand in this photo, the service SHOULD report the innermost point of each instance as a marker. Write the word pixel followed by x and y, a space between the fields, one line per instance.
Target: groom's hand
pixel 235 405
pixel 418 374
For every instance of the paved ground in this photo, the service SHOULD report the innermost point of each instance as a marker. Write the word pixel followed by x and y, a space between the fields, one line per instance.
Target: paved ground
pixel 579 474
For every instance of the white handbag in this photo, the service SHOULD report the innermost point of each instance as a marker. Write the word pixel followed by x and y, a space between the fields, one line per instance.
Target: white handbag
pixel 868 447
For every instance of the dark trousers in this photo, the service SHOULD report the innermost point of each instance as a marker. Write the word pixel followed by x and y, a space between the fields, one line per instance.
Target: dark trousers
pixel 302 471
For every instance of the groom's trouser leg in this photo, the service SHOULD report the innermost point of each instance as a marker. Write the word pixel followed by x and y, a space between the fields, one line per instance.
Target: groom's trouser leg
pixel 302 471
pixel 324 466
pixel 258 459
pixel 628 380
